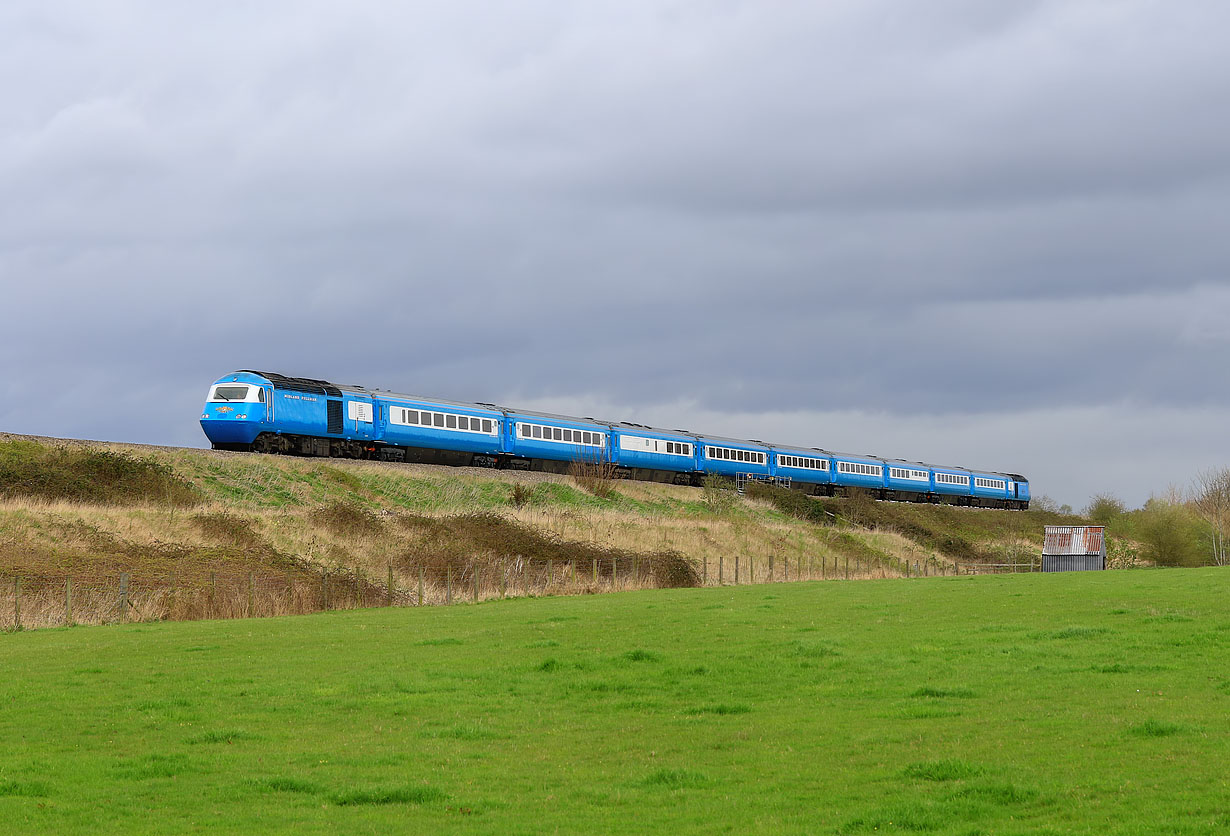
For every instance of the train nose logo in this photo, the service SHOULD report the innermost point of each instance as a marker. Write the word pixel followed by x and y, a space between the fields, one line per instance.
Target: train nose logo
pixel 226 409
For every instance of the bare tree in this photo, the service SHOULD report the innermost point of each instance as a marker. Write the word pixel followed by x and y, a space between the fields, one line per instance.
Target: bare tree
pixel 1211 500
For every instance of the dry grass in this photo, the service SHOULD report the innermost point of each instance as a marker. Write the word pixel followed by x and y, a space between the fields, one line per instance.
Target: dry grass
pixel 306 534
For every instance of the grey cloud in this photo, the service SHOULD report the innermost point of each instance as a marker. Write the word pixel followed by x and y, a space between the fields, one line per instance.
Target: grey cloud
pixel 942 215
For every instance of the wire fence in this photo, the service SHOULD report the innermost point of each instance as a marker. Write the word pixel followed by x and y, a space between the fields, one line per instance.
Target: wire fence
pixel 35 602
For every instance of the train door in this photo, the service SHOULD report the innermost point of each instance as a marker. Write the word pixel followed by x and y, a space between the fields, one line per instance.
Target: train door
pixel 267 397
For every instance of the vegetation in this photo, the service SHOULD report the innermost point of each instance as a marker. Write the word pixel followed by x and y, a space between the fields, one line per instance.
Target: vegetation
pixel 208 534
pixel 1090 703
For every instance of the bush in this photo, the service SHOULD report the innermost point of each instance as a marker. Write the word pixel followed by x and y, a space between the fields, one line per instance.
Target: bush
pixel 82 474
pixel 596 476
pixel 720 494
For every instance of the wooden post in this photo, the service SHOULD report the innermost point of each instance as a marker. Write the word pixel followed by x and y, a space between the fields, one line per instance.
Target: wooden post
pixel 824 568
pixel 550 573
pixel 324 584
pixel 504 579
pixel 68 602
pixel 770 568
pixel 847 562
pixel 572 565
pixel 16 603
pixel 420 602
pixel 736 570
pixel 614 573
pixel 595 573
pixel 751 570
pixel 213 591
pixel 123 596
pixel 448 586
pixel 705 577
pixel 251 594
pixel 636 572
pixel 388 595
pixel 476 583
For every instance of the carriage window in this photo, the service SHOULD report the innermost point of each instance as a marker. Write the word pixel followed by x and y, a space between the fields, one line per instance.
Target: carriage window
pixel 463 422
pixel 537 431
pixel 437 419
pixel 558 433
pixel 450 421
pixel 412 416
pixel 486 425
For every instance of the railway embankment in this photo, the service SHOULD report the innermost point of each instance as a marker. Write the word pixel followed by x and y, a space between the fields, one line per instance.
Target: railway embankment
pixel 94 532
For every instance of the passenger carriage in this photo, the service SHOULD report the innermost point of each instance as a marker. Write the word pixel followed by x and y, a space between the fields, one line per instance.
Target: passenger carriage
pixel 810 470
pixel 542 441
pixel 732 457
pixel 858 472
pixel 654 455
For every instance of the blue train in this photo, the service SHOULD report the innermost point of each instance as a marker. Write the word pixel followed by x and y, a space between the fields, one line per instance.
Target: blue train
pixel 272 413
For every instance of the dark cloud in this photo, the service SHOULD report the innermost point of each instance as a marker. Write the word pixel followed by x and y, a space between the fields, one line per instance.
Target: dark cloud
pixel 944 217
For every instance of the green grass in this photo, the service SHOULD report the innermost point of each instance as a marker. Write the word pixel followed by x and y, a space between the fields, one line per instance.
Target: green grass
pixel 1014 704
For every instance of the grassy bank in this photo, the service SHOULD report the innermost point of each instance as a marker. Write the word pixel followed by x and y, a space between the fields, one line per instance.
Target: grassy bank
pixel 207 534
pixel 1089 703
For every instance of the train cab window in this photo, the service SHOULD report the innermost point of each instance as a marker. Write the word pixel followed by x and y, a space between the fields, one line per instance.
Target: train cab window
pixel 230 393
pixel 260 394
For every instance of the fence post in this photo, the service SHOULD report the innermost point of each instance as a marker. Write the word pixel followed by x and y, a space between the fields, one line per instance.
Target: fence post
pixel 595 574
pixel 721 570
pixel 476 583
pixel 324 590
pixel 736 570
pixel 751 570
pixel 847 564
pixel 550 573
pixel 388 595
pixel 636 572
pixel 16 603
pixel 504 579
pixel 705 576
pixel 68 602
pixel 573 566
pixel 420 585
pixel 614 573
pixel 123 596
pixel 448 586
pixel 251 594
pixel 770 569
pixel 213 588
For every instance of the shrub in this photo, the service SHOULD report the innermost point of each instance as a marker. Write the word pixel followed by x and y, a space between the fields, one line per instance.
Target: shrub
pixel 597 476
pixel 83 474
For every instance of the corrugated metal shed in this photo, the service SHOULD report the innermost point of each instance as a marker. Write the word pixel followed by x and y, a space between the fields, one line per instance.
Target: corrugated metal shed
pixel 1074 548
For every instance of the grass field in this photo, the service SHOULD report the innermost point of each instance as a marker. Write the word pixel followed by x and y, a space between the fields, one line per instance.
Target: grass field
pixel 1092 703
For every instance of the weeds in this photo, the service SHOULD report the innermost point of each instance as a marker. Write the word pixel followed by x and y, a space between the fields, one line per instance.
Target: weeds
pixel 597 476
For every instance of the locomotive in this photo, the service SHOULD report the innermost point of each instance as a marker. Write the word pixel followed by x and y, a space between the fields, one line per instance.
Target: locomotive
pixel 267 412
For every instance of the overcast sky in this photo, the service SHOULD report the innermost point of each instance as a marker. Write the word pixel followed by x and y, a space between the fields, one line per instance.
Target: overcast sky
pixel 992 234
